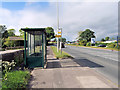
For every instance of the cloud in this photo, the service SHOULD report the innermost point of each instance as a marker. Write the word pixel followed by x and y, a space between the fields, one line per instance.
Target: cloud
pixel 100 17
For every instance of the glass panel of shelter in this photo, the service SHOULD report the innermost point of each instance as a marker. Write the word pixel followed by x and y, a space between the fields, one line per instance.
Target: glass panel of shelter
pixel 34 44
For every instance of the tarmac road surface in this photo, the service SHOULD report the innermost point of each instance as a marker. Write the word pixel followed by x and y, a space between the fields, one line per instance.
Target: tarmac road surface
pixel 103 61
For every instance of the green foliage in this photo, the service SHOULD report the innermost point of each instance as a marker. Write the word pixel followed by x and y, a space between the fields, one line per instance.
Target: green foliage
pixel 16 79
pixel 102 39
pixel 87 35
pixel 107 38
pixel 96 44
pixel 50 33
pixel 74 44
pixel 82 42
pixel 113 38
pixel 58 54
pixel 5 34
pixel 79 33
pixel 111 45
pixel 11 32
pixel 88 44
pixel 7 66
pixel 117 46
pixel 10 43
pixel 21 33
pixel 63 40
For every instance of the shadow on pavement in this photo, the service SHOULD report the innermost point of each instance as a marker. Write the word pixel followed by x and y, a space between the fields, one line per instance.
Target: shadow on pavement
pixel 53 65
pixel 52 59
pixel 80 62
pixel 87 63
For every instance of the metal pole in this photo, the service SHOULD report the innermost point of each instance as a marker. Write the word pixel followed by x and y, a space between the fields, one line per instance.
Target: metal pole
pixel 61 41
pixel 25 48
pixel 30 44
pixel 117 42
pixel 34 44
pixel 57 25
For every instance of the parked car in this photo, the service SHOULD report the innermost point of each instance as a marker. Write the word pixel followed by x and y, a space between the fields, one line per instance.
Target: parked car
pixel 101 45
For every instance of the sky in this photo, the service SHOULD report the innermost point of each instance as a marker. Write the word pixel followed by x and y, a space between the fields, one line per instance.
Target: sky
pixel 100 17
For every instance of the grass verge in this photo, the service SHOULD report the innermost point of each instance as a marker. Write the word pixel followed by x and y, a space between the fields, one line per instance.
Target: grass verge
pixel 58 54
pixel 96 47
pixel 15 80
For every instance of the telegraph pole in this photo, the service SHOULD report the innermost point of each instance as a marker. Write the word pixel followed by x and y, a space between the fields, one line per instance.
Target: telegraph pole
pixel 61 40
pixel 57 25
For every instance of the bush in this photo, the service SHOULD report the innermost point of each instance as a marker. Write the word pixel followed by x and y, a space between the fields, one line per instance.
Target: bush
pixel 16 79
pixel 88 44
pixel 82 42
pixel 111 45
pixel 117 46
pixel 7 66
pixel 96 44
pixel 74 44
pixel 4 46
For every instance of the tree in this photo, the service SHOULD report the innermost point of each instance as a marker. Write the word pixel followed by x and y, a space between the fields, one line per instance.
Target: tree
pixel 63 40
pixel 21 33
pixel 3 35
pixel 11 32
pixel 3 32
pixel 107 38
pixel 87 35
pixel 50 33
pixel 9 43
pixel 68 41
pixel 55 40
pixel 102 39
pixel 113 38
pixel 79 33
pixel 2 28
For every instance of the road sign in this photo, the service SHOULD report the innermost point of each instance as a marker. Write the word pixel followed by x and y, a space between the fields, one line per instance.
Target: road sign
pixel 59 32
pixel 93 40
pixel 57 35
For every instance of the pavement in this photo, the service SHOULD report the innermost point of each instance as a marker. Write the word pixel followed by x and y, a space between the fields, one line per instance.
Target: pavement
pixel 66 73
pixel 103 61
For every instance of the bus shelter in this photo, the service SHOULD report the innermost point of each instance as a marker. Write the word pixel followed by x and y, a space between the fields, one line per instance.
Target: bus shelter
pixel 35 47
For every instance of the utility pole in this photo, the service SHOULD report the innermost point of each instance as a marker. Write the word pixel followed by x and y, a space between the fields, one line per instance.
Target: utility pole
pixel 57 25
pixel 61 41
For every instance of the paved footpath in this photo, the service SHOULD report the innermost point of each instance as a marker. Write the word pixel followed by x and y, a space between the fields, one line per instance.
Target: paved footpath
pixel 65 73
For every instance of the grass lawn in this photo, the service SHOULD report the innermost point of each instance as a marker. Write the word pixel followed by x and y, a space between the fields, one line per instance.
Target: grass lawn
pixel 96 47
pixel 16 79
pixel 58 54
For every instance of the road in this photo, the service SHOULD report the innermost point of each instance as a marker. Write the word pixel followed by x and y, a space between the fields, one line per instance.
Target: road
pixel 103 61
pixel 66 73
